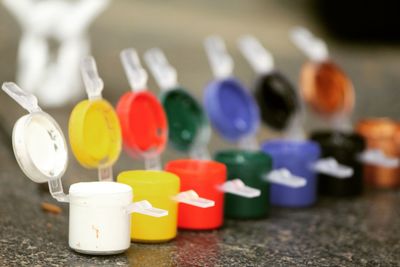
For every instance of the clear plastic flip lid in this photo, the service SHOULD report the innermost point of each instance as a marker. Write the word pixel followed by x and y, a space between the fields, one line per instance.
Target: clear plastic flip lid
pixel 38 142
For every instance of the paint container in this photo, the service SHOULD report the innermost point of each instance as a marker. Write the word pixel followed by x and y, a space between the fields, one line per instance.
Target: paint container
pixel 94 129
pixel 143 120
pixel 380 134
pixel 208 179
pixel 189 129
pixel 252 167
pixel 324 86
pixel 99 211
pixel 344 148
pixel 145 135
pixel 297 157
pixel 275 95
pixel 231 108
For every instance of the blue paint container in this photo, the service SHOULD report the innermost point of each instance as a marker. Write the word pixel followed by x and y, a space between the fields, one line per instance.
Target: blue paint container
pixel 298 157
pixel 231 109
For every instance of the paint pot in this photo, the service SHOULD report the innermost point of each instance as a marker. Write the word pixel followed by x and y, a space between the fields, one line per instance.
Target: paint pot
pixel 324 86
pixel 204 177
pixel 99 211
pixel 298 158
pixel 345 149
pixel 143 120
pixel 99 221
pixel 159 187
pixel 189 129
pixel 94 129
pixel 252 168
pixel 273 92
pixel 380 134
pixel 231 108
pixel 208 178
pixel 162 189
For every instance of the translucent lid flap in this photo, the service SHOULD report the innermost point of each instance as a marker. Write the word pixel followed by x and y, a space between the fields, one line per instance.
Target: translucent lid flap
pixel 220 61
pixel 314 48
pixel 331 167
pixel 144 207
pixel 164 74
pixel 190 197
pixel 56 190
pixel 136 74
pixel 285 177
pixel 93 83
pixel 249 143
pixel 377 157
pixel 259 58
pixel 25 99
pixel 237 187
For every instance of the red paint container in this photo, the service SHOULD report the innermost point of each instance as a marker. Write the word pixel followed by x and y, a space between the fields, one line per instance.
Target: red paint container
pixel 205 177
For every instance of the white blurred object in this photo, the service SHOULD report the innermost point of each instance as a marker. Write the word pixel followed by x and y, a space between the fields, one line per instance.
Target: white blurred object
pixel 53 77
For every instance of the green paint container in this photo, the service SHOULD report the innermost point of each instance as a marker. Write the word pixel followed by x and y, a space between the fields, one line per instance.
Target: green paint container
pixel 252 168
pixel 187 122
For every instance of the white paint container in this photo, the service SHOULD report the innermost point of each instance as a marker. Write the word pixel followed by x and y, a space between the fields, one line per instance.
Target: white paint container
pixel 100 212
pixel 99 218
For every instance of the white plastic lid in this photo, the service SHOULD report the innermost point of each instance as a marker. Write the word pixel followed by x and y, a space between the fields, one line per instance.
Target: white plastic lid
pixel 330 166
pixel 285 177
pixel 237 187
pixel 100 194
pixel 220 61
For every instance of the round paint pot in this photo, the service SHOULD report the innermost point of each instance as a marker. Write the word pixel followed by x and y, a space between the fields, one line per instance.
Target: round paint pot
pixel 187 123
pixel 276 98
pixel 380 133
pixel 99 221
pixel 326 88
pixel 39 146
pixel 95 133
pixel 231 109
pixel 143 123
pixel 252 168
pixel 204 177
pixel 345 149
pixel 158 187
pixel 297 157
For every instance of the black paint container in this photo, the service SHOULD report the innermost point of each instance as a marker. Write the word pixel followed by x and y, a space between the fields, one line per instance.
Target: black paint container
pixel 276 98
pixel 345 148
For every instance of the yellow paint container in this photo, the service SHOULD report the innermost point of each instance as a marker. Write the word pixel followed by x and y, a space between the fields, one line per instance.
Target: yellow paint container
pixel 95 133
pixel 159 188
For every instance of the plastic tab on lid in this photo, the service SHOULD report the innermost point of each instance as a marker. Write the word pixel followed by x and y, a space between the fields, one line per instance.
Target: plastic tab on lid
pixel 190 197
pixel 237 187
pixel 331 167
pixel 314 48
pixel 220 61
pixel 144 207
pixel 377 157
pixel 164 74
pixel 259 58
pixel 285 177
pixel 93 83
pixel 135 73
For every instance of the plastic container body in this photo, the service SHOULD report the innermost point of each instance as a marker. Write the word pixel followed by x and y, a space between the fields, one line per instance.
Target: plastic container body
pixel 99 222
pixel 143 123
pixel 204 177
pixel 276 98
pixel 252 168
pixel 345 148
pixel 186 119
pixel 381 134
pixel 159 188
pixel 298 157
pixel 231 109
pixel 95 133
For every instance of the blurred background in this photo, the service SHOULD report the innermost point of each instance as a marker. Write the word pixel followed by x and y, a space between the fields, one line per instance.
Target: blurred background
pixel 362 37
